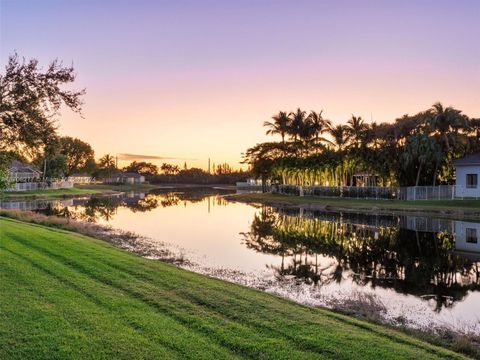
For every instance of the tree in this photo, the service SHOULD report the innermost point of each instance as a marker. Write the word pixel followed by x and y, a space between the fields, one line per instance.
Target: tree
pixel 262 160
pixel 414 149
pixel 5 179
pixel 105 167
pixel 142 167
pixel 79 154
pixel 356 128
pixel 319 125
pixel 223 169
pixel 107 162
pixel 340 136
pixel 279 126
pixel 420 150
pixel 444 120
pixel 30 99
pixel 56 166
pixel 169 169
pixel 297 120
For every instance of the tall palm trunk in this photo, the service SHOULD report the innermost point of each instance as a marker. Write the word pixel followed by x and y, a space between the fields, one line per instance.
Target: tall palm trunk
pixel 418 174
pixel 435 173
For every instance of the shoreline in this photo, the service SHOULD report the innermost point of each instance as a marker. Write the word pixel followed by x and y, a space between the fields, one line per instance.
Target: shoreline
pixel 383 329
pixel 445 337
pixel 455 210
pixel 99 190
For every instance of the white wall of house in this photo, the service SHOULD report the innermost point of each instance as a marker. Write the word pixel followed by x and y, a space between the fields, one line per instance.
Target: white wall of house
pixel 462 189
pixel 467 236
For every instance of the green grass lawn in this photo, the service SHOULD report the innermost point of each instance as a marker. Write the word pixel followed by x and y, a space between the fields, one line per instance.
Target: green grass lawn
pixel 66 296
pixel 432 205
pixel 50 193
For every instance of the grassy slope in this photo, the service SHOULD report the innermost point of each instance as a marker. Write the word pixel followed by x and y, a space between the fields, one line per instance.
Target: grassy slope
pixel 434 205
pixel 63 295
pixel 48 193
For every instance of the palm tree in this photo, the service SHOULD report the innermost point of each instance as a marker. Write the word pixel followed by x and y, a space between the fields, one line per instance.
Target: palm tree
pixel 340 136
pixel 280 125
pixel 446 121
pixel 297 120
pixel 319 125
pixel 419 151
pixel 306 132
pixel 356 128
pixel 107 161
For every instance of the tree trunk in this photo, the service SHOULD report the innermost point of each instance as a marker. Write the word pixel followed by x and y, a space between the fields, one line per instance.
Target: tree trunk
pixel 418 174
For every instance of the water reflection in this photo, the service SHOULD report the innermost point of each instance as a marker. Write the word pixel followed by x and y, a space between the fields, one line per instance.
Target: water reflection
pixel 428 266
pixel 353 246
pixel 94 209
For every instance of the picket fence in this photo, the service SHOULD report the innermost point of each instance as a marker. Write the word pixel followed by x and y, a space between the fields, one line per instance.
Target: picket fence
pixel 28 186
pixel 441 192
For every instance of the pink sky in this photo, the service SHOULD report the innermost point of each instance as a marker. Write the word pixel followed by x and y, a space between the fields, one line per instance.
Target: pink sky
pixel 193 80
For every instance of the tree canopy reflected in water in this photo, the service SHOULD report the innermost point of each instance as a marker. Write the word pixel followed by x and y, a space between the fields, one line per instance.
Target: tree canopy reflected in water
pixel 319 252
pixel 104 208
pixel 322 248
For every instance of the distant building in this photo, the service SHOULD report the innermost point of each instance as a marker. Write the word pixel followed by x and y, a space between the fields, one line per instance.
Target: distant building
pixel 80 178
pixel 125 178
pixel 467 171
pixel 21 173
pixel 251 182
pixel 363 179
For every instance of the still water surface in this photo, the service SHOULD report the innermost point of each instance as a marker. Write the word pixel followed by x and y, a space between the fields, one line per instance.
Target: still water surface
pixel 420 271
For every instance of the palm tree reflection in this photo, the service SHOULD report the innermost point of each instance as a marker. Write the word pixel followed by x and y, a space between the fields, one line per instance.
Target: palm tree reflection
pixel 320 252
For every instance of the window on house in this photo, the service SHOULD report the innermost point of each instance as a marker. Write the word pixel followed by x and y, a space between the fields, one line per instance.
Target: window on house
pixel 471 236
pixel 472 180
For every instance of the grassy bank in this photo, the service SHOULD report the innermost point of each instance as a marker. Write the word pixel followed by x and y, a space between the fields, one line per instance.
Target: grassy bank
pixel 460 208
pixel 64 295
pixel 48 193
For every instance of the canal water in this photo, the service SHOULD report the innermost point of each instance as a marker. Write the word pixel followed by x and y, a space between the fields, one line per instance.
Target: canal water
pixel 409 270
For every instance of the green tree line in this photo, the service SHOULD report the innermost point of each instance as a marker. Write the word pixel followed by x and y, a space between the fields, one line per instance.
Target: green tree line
pixel 412 150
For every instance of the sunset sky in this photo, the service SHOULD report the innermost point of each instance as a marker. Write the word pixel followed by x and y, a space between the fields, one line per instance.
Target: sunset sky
pixel 188 80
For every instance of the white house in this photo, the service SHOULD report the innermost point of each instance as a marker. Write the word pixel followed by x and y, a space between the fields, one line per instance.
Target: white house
pixel 467 239
pixel 125 178
pixel 250 182
pixel 20 172
pixel 467 171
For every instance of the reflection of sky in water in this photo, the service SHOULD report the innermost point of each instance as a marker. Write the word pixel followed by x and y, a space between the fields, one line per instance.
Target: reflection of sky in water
pixel 210 232
pixel 213 235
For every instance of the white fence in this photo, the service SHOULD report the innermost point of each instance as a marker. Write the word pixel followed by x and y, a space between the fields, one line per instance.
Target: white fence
pixel 366 192
pixel 427 192
pixel 28 186
pixel 441 192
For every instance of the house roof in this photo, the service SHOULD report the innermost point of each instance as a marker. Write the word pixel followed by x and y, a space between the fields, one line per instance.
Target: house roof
pixel 17 166
pixel 131 174
pixel 473 159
